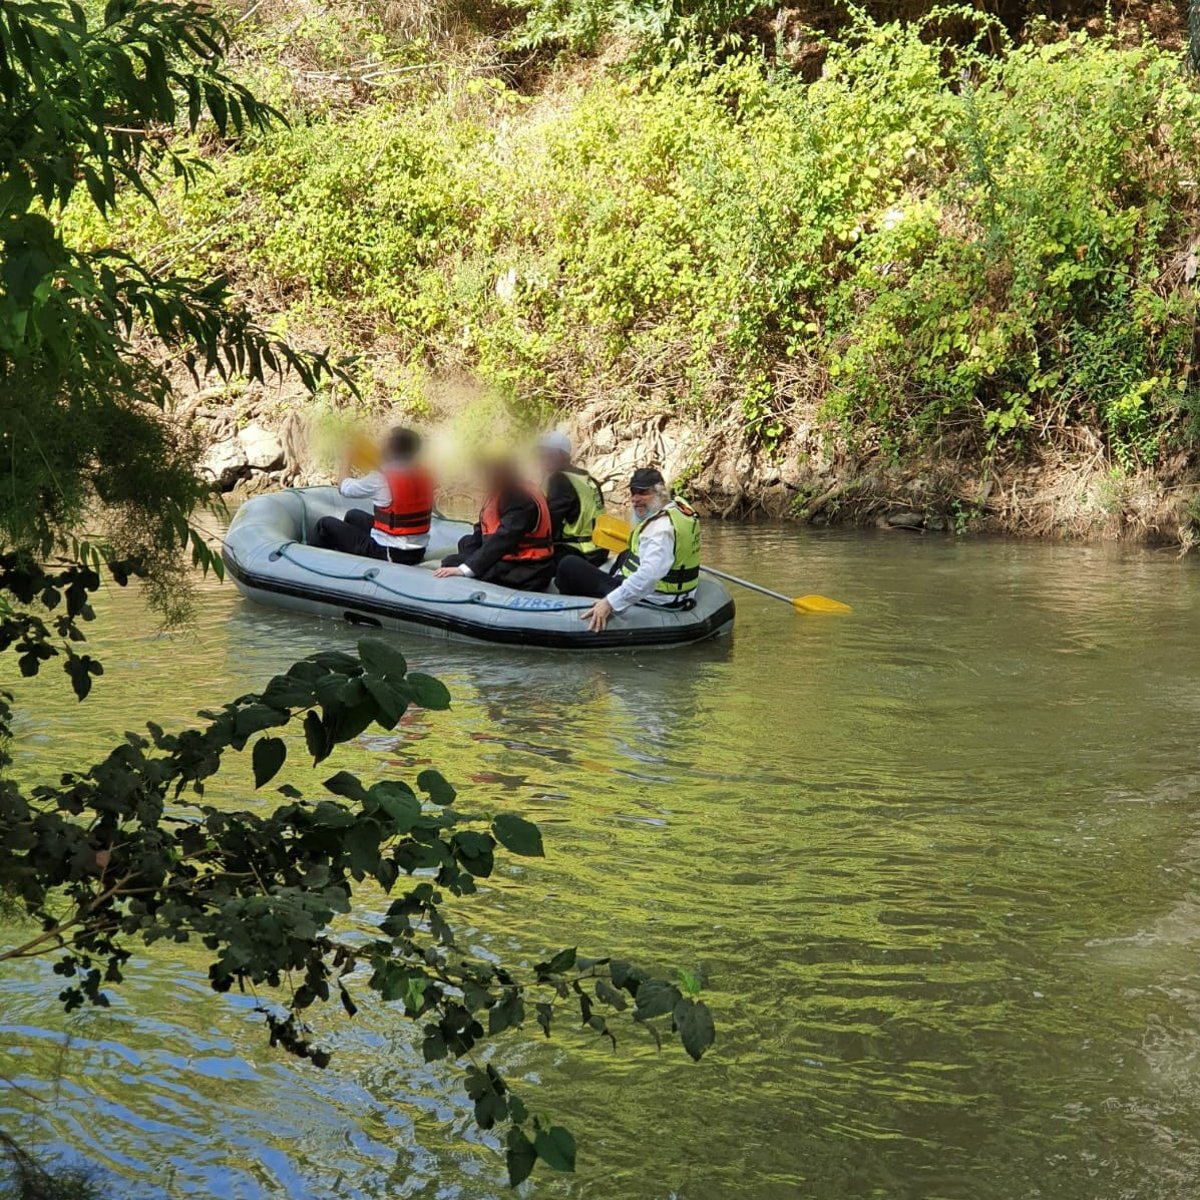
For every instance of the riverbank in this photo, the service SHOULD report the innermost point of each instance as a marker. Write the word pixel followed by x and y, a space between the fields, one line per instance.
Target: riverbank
pixel 919 273
pixel 262 440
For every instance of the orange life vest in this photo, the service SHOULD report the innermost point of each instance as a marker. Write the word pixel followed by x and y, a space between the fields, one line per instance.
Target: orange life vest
pixel 534 546
pixel 411 509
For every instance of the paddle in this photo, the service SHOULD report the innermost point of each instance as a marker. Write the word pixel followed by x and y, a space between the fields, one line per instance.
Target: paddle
pixel 612 533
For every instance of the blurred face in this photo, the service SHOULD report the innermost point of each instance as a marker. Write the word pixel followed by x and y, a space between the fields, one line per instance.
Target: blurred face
pixel 552 460
pixel 644 502
pixel 496 476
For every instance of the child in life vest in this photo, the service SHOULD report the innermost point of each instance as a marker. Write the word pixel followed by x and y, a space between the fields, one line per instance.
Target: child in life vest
pixel 400 492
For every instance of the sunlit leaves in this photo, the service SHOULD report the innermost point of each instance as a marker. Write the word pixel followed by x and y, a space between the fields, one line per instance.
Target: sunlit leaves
pixel 88 337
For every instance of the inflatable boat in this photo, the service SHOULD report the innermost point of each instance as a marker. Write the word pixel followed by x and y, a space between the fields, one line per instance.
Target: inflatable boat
pixel 267 553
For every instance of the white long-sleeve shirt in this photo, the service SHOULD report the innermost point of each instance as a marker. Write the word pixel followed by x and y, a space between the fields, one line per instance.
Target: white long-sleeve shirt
pixel 374 487
pixel 656 553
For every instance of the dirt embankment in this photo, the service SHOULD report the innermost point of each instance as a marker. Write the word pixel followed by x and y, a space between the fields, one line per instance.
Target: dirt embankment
pixel 262 439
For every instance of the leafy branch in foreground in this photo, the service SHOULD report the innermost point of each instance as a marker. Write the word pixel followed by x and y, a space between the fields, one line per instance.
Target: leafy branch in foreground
pixel 91 340
pixel 129 851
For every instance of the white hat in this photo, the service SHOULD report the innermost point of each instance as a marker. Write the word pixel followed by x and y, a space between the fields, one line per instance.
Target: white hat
pixel 554 440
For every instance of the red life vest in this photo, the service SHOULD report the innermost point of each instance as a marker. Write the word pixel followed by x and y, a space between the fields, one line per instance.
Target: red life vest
pixel 411 509
pixel 534 546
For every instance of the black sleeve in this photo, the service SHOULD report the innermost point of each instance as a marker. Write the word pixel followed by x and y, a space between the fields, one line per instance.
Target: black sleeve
pixel 563 501
pixel 518 516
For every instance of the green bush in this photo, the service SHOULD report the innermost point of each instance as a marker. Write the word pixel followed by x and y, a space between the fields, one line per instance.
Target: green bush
pixel 923 239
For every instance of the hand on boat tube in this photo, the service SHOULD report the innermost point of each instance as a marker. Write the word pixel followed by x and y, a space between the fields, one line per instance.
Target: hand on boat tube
pixel 447 572
pixel 597 616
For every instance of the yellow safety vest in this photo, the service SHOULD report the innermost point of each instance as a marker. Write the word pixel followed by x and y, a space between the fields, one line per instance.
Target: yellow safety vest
pixel 685 569
pixel 578 533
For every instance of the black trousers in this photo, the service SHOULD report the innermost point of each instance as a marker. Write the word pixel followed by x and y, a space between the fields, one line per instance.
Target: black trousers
pixel 596 557
pixel 524 576
pixel 578 577
pixel 353 536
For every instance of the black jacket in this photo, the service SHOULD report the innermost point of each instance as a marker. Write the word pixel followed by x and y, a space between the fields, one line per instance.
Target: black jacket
pixel 518 517
pixel 563 501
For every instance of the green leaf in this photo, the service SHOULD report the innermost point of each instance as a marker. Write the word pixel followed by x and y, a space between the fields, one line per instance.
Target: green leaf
pixel 429 692
pixel 283 692
pixel 268 756
pixel 345 784
pixel 564 960
pixel 625 975
pixel 332 816
pixel 380 657
pixel 391 698
pixel 255 717
pixel 506 1013
pixel 414 994
pixel 475 851
pixel 518 835
pixel 610 995
pixel 519 1157
pixel 433 1048
pixel 331 660
pixel 362 845
pixel 556 1148
pixel 314 736
pixel 397 801
pixel 350 722
pixel 488 1094
pixel 695 1025
pixel 433 784
pixel 654 998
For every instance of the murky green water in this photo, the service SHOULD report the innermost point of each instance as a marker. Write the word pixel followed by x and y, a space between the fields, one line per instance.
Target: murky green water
pixel 937 861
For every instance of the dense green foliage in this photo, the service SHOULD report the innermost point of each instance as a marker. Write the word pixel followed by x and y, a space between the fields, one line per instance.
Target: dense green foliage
pixel 285 903
pixel 924 239
pixel 89 103
pixel 127 852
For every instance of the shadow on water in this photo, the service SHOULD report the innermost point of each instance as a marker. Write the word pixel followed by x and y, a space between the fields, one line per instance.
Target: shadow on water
pixel 936 862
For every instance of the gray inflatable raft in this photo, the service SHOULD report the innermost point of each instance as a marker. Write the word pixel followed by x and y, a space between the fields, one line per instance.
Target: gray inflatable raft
pixel 266 554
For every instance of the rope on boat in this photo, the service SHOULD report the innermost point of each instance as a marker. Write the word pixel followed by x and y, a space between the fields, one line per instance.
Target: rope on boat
pixel 371 575
pixel 299 494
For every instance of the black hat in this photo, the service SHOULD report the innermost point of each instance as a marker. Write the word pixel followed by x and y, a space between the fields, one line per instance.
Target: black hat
pixel 645 479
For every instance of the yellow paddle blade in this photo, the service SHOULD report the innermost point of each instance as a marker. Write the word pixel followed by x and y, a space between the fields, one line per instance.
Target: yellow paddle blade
pixel 611 533
pixel 362 454
pixel 819 604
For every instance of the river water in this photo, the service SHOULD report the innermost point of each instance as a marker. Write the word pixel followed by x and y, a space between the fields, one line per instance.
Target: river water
pixel 937 863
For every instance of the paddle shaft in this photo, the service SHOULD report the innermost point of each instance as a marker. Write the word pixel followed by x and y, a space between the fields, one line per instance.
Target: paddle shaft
pixel 613 534
pixel 754 587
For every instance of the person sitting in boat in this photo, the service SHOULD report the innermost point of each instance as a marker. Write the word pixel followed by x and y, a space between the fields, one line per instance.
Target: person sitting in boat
pixel 401 492
pixel 512 542
pixel 661 566
pixel 574 497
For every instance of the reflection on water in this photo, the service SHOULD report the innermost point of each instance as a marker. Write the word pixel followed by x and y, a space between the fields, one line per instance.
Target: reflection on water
pixel 936 862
